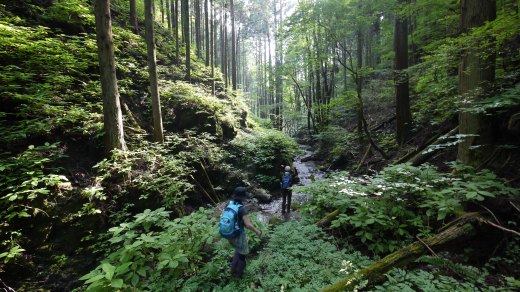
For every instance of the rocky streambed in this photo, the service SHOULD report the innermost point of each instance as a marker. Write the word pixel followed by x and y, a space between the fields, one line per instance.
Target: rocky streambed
pixel 308 172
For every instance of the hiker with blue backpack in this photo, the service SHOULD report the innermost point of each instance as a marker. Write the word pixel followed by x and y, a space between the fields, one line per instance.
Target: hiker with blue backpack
pixel 233 222
pixel 289 178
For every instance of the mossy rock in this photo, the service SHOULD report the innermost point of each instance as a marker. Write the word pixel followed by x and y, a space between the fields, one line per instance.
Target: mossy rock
pixel 191 108
pixel 261 195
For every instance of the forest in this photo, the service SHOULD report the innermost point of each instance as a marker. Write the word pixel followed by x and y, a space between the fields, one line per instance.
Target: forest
pixel 126 127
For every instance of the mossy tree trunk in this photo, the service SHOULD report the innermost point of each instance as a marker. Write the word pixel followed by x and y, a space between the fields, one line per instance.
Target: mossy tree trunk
pixel 375 272
pixel 113 119
pixel 152 70
pixel 476 76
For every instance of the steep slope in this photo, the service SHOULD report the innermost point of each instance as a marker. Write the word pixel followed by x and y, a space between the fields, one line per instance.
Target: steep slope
pixel 57 190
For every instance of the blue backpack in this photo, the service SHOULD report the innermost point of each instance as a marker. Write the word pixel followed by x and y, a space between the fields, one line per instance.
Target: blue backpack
pixel 286 181
pixel 228 224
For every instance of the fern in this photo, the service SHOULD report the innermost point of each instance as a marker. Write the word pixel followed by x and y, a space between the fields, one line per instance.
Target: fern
pixel 467 272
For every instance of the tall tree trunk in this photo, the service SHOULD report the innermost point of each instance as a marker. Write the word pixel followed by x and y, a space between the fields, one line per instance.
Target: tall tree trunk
pixel 208 33
pixel 133 17
pixel 233 46
pixel 186 35
pixel 168 15
pixel 197 29
pixel 359 84
pixel 345 73
pixel 476 77
pixel 152 70
pixel 112 117
pixel 278 64
pixel 162 10
pixel 213 48
pixel 402 95
pixel 271 79
pixel 225 48
pixel 222 40
pixel 176 27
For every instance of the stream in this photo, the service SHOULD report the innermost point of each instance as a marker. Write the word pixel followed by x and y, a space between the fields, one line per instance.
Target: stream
pixel 308 172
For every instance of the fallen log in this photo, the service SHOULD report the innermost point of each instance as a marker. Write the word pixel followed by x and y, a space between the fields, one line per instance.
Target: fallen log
pixel 422 157
pixel 384 123
pixel 328 218
pixel 433 140
pixel 376 272
pixel 364 157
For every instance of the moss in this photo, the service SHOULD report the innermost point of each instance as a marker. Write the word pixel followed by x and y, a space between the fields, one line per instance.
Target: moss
pixel 375 272
pixel 194 108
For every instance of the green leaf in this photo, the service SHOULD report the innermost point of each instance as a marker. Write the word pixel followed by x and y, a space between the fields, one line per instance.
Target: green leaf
pixel 95 278
pixel 109 270
pixel 135 280
pixel 123 268
pixel 117 283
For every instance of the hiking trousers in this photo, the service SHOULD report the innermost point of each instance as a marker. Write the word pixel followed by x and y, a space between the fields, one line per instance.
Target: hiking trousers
pixel 286 196
pixel 238 261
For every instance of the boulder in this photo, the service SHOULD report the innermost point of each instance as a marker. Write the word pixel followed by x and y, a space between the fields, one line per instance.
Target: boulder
pixel 261 195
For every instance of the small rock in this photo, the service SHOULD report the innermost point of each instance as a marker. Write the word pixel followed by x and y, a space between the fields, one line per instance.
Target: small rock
pixel 308 158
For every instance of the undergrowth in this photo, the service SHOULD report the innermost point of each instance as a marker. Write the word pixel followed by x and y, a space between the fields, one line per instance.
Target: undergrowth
pixel 262 152
pixel 389 209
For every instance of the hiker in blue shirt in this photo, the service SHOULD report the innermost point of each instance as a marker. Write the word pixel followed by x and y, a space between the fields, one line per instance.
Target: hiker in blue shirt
pixel 289 178
pixel 238 262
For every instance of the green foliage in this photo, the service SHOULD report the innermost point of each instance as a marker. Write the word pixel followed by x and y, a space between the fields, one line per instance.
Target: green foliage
pixel 262 152
pixel 11 245
pixel 442 274
pixel 469 186
pixel 150 246
pixel 336 140
pixel 40 70
pixel 150 169
pixel 389 209
pixel 161 254
pixel 215 273
pixel 507 99
pixel 298 256
pixel 70 11
pixel 401 280
pixel 196 109
pixel 28 181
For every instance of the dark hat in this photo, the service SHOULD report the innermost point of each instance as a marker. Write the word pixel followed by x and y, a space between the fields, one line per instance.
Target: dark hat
pixel 240 193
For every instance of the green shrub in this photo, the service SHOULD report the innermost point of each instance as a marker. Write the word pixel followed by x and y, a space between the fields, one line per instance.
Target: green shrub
pixel 262 152
pixel 70 11
pixel 389 209
pixel 150 246
pixel 28 185
pixel 298 256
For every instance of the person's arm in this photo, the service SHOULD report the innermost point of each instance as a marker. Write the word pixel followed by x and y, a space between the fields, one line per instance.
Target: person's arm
pixel 248 225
